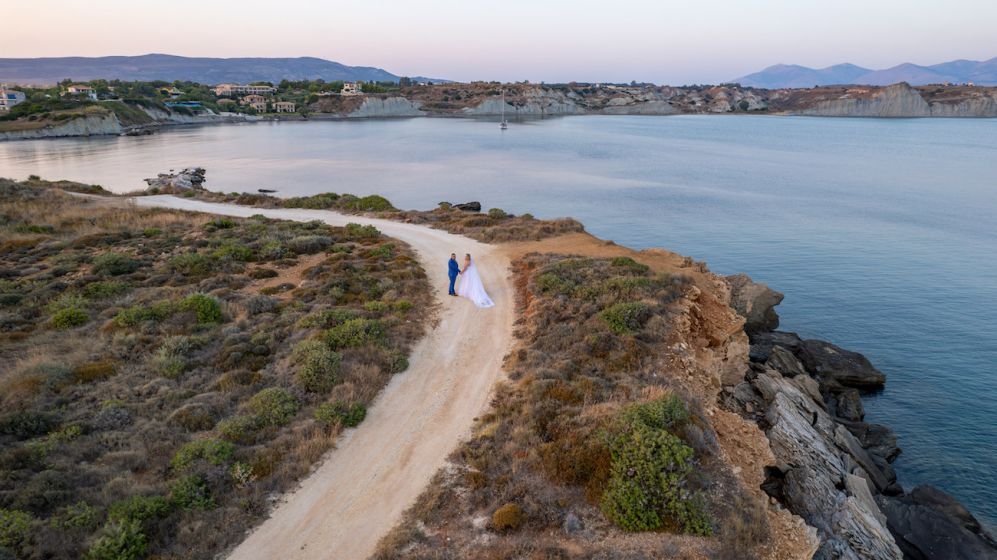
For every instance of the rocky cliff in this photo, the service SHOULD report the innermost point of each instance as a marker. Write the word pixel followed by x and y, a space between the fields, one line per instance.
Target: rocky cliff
pixel 90 125
pixel 898 100
pixel 831 468
pixel 378 107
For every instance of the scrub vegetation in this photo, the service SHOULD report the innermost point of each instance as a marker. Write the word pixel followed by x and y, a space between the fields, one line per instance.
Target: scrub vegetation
pixel 165 372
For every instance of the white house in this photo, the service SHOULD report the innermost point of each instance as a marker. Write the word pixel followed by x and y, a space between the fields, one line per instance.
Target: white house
pixel 283 107
pixel 9 98
pixel 82 89
pixel 351 88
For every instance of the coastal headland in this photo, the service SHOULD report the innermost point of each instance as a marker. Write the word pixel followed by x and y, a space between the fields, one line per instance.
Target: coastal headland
pixel 624 403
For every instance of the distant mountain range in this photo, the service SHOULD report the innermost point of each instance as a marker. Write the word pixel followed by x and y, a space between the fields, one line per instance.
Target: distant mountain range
pixel 794 76
pixel 169 68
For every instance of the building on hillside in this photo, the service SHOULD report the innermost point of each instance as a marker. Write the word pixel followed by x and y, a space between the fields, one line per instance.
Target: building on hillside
pixel 236 89
pixel 250 99
pixel 259 106
pixel 9 98
pixel 82 90
pixel 283 107
pixel 351 88
pixel 170 92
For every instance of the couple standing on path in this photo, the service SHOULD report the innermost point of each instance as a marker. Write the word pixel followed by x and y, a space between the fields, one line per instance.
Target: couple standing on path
pixel 470 283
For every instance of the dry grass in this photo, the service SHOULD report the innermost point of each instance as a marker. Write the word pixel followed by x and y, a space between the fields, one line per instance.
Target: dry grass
pixel 92 414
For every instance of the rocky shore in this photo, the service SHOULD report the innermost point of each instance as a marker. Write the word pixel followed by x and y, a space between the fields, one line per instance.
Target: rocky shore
pixel 834 468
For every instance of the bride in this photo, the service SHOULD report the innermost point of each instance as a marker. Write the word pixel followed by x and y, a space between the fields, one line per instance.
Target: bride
pixel 471 286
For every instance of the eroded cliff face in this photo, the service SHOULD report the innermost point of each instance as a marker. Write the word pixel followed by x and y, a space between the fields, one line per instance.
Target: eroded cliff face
pixel 91 125
pixel 898 100
pixel 377 107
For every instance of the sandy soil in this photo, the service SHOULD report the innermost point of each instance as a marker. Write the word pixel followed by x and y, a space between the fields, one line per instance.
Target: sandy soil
pixel 359 491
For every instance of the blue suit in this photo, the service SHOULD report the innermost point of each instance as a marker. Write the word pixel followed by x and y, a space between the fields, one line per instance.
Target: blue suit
pixel 454 271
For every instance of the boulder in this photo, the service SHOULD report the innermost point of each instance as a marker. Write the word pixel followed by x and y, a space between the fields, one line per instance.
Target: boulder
pixel 785 362
pixel 190 178
pixel 762 344
pixel 931 525
pixel 876 438
pixel 469 207
pixel 848 405
pixel 755 302
pixel 837 368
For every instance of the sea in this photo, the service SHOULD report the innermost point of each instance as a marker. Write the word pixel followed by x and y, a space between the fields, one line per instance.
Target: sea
pixel 882 233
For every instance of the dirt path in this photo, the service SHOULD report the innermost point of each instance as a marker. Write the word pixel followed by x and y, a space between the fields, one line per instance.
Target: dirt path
pixel 362 487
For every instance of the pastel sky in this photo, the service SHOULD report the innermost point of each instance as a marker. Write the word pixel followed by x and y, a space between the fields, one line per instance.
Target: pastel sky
pixel 661 41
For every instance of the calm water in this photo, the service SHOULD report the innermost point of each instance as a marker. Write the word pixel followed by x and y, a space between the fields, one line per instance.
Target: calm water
pixel 882 233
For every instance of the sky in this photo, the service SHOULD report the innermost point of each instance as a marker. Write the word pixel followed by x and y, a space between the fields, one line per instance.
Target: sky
pixel 660 41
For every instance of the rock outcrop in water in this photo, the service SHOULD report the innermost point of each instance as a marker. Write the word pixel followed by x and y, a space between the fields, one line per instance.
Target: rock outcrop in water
pixel 832 468
pixel 190 178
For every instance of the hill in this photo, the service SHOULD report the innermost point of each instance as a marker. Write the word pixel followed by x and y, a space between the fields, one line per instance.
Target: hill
pixel 169 68
pixel 794 76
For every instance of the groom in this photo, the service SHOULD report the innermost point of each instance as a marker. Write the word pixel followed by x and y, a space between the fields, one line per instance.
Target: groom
pixel 454 271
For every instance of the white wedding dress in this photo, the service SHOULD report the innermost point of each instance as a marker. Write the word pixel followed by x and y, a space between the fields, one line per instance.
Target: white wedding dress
pixel 472 288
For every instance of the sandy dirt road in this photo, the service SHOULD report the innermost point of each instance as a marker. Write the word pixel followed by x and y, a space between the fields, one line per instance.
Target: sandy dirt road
pixel 377 470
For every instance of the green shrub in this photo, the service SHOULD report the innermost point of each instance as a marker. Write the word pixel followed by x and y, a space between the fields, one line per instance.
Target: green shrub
pixel 273 250
pixel 27 424
pixel 220 223
pixel 120 541
pixel 192 264
pixel 328 318
pixel 214 451
pixel 138 508
pixel 349 416
pixel 69 317
pixel 151 231
pixel 357 231
pixel 318 366
pixel 371 203
pixel 105 289
pixel 626 318
pixel 191 492
pixel 263 273
pixel 551 282
pixel 497 213
pixel 403 305
pixel 630 265
pixel 131 316
pixel 15 528
pixel 376 306
pixel 173 356
pixel 232 251
pixel 309 244
pixel 80 515
pixel 354 332
pixel 273 406
pixel 315 202
pixel 114 264
pixel 648 487
pixel 386 252
pixel 207 308
pixel 507 517
pixel 240 429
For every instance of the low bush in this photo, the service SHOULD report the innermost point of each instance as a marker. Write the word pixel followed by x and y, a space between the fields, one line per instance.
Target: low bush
pixel 105 289
pixel 120 541
pixel 94 371
pixel 114 264
pixel 357 231
pixel 497 214
pixel 626 318
pixel 191 492
pixel 172 358
pixel 309 244
pixel 15 528
pixel 138 508
pixel 207 308
pixel 214 451
pixel 263 273
pixel 234 252
pixel 371 203
pixel 630 265
pixel 192 264
pixel 27 424
pixel 354 332
pixel 220 223
pixel 80 515
pixel 648 487
pixel 318 366
pixel 131 316
pixel 273 406
pixel 69 317
pixel 507 517
pixel 262 304
pixel 240 429
pixel 348 416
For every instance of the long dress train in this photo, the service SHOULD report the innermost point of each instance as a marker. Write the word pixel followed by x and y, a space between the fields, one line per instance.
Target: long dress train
pixel 472 288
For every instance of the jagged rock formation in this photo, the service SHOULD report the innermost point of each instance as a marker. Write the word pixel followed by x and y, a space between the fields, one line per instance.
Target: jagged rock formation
pixel 190 178
pixel 832 468
pixel 755 302
pixel 90 125
pixel 898 100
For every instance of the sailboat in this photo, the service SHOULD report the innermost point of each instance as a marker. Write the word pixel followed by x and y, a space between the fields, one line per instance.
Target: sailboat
pixel 504 124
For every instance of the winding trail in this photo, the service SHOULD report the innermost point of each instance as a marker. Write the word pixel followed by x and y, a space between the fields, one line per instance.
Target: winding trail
pixel 359 491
